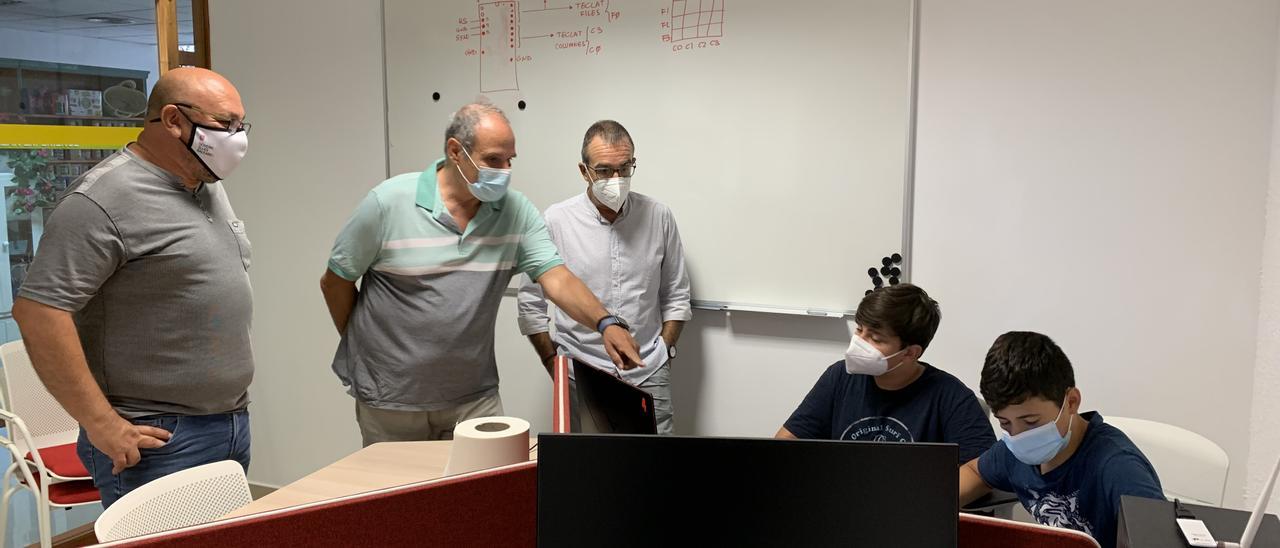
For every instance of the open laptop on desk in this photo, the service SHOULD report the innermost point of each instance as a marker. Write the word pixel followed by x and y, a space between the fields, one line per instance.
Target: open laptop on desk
pixel 1153 523
pixel 608 405
pixel 625 490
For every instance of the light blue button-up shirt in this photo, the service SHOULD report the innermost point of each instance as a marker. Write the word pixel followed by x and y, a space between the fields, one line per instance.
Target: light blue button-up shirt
pixel 635 266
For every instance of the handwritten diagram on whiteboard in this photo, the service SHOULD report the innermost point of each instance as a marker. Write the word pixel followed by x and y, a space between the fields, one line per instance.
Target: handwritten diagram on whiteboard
pixel 503 34
pixel 508 33
pixel 692 19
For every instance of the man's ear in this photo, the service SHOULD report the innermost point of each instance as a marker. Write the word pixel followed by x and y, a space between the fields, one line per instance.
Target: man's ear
pixel 453 150
pixel 171 119
pixel 1073 399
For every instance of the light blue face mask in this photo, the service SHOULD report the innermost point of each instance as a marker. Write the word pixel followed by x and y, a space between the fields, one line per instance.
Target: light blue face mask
pixel 491 185
pixel 1040 444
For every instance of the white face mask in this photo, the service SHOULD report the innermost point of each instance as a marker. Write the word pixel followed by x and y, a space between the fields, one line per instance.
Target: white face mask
pixel 612 192
pixel 864 359
pixel 218 150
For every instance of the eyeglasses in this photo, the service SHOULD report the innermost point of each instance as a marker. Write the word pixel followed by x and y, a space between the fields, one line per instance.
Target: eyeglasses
pixel 229 124
pixel 604 172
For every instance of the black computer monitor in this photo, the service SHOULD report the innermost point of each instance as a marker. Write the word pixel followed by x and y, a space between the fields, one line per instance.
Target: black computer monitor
pixel 645 491
pixel 608 405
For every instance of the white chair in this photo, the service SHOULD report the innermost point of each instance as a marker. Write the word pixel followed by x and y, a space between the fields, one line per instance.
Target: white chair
pixel 41 438
pixel 181 499
pixel 1191 467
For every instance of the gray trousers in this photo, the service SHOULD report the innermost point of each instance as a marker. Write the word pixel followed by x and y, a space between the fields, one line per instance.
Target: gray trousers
pixel 378 425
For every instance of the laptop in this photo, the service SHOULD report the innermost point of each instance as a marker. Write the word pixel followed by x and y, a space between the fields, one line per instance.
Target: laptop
pixel 608 405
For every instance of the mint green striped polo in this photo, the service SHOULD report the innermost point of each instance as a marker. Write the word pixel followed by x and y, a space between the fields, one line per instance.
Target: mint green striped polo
pixel 421 335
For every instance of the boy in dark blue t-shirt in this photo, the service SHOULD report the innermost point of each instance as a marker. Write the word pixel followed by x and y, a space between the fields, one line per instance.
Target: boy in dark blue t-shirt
pixel 882 392
pixel 1068 469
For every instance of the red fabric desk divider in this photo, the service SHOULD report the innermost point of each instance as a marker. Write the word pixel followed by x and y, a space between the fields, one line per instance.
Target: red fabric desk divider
pixel 496 507
pixel 560 399
pixel 988 532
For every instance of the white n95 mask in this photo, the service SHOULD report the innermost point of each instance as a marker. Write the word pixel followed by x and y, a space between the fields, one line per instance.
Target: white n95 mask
pixel 864 359
pixel 612 192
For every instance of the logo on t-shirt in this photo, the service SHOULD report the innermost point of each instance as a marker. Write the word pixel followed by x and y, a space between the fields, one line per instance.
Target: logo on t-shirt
pixel 878 429
pixel 1058 511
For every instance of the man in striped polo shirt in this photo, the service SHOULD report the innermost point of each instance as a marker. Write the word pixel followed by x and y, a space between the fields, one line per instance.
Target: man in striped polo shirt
pixel 436 251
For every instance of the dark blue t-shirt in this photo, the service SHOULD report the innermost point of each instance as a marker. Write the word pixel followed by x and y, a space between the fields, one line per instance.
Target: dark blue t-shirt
pixel 1084 492
pixel 936 408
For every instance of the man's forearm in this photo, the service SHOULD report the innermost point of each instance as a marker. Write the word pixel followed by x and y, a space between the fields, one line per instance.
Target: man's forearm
pixel 572 296
pixel 671 331
pixel 340 296
pixel 545 349
pixel 53 345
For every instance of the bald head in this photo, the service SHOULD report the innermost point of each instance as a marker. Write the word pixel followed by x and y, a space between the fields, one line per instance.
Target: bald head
pixel 202 88
pixel 467 121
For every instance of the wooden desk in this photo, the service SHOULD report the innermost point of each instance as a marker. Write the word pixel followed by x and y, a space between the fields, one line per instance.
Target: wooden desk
pixel 377 466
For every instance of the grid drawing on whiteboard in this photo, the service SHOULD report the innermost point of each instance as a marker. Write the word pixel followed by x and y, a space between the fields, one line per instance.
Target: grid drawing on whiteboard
pixel 692 19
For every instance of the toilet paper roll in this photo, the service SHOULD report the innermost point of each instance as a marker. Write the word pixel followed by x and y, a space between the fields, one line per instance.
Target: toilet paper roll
pixel 488 442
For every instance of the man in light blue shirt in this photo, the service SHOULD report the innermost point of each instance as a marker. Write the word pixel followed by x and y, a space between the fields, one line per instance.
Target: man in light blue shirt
pixel 625 246
pixel 435 251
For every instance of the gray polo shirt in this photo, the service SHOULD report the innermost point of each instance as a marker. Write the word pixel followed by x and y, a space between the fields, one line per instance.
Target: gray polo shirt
pixel 157 278
pixel 420 337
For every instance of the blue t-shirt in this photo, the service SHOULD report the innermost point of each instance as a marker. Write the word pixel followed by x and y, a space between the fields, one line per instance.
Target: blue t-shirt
pixel 935 408
pixel 1084 492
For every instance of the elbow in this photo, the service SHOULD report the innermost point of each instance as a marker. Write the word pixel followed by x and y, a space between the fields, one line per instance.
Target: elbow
pixel 21 311
pixel 330 281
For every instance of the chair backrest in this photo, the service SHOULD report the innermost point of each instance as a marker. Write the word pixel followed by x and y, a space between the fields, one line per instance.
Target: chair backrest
pixel 1191 467
pixel 988 532
pixel 26 397
pixel 181 499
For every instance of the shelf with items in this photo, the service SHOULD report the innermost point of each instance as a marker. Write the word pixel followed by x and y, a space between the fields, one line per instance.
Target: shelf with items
pixel 57 121
pixel 58 92
pixel 68 117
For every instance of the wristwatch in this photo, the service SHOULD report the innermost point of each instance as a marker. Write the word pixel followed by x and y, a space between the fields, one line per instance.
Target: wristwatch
pixel 671 352
pixel 609 320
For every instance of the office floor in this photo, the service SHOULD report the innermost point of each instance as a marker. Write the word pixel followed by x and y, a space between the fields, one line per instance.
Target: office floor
pixel 22 529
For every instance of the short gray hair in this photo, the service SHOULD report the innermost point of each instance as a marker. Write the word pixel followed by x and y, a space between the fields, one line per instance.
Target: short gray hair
pixel 609 131
pixel 462 125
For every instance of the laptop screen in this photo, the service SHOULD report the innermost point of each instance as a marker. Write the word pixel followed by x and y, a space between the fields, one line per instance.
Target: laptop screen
pixel 624 490
pixel 608 405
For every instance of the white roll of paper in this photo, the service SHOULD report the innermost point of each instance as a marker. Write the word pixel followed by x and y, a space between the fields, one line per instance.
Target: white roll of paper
pixel 488 442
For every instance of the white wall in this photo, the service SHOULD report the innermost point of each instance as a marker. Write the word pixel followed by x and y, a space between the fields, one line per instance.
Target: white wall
pixel 1096 171
pixel 311 80
pixel 80 50
pixel 1090 170
pixel 1264 428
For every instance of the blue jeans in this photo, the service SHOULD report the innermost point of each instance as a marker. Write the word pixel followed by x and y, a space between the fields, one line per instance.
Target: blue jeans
pixel 194 440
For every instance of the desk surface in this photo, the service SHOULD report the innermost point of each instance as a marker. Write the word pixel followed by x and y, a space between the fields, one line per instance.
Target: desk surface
pixel 377 466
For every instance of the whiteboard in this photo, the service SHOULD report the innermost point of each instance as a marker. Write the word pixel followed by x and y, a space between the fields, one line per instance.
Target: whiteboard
pixel 776 132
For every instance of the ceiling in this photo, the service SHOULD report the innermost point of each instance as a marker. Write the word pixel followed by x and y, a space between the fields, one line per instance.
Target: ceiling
pixel 70 17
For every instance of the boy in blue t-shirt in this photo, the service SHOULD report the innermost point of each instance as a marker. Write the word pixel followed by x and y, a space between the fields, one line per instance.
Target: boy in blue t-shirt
pixel 1068 468
pixel 882 392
